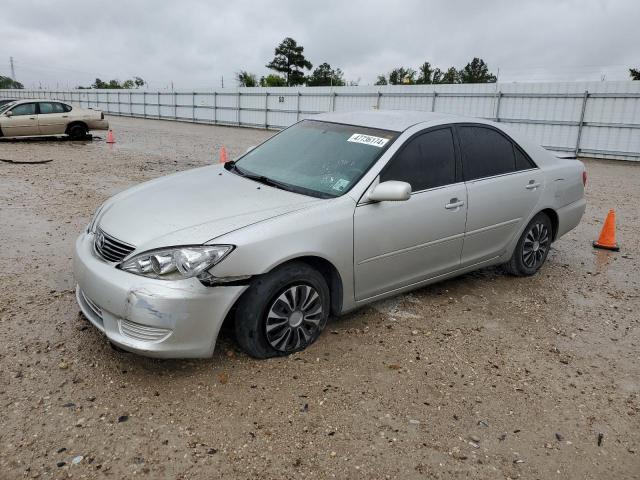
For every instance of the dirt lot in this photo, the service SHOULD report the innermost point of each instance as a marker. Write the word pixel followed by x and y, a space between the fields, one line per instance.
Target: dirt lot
pixel 484 376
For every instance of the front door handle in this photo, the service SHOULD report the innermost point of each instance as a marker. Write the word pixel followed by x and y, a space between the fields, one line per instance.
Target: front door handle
pixel 65 116
pixel 532 185
pixel 454 204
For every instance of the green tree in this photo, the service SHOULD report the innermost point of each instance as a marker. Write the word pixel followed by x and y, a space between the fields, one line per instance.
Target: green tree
pixel 246 79
pixel 115 84
pixel 425 73
pixel 476 71
pixel 8 82
pixel 402 76
pixel 289 60
pixel 437 76
pixel 273 80
pixel 325 76
pixel 382 80
pixel 452 75
pixel 635 73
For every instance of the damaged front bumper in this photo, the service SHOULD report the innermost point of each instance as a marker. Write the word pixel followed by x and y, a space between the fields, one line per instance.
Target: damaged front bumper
pixel 156 318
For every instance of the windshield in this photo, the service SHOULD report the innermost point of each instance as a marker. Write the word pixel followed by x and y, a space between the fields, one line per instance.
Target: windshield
pixel 316 158
pixel 5 106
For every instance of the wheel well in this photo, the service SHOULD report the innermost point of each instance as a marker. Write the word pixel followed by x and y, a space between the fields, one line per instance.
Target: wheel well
pixel 553 216
pixel 328 271
pixel 331 276
pixel 72 124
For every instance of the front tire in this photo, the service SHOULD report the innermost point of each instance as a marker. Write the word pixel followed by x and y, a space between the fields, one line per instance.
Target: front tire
pixel 283 311
pixel 532 248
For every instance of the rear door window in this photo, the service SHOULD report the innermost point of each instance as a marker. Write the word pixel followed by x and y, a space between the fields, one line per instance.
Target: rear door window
pixel 426 161
pixel 485 152
pixel 51 107
pixel 522 161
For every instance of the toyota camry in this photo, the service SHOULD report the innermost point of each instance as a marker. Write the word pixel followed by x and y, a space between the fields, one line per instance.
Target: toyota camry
pixel 330 214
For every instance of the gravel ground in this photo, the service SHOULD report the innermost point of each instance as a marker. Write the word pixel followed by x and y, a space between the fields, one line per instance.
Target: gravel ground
pixel 484 376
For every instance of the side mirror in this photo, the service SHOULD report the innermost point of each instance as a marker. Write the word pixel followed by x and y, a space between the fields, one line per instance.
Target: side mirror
pixel 9 114
pixel 390 191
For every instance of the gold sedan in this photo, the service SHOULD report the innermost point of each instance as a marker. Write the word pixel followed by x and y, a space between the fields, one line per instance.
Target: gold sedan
pixel 48 117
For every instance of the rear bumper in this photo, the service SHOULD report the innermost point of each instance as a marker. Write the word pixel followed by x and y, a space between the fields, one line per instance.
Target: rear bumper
pixel 98 125
pixel 156 318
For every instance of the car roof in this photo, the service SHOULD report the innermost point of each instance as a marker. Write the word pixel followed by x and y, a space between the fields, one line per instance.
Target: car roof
pixel 401 120
pixel 395 120
pixel 31 100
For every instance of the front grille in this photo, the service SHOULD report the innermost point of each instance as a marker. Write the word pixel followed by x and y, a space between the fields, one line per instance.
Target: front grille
pixel 145 333
pixel 110 248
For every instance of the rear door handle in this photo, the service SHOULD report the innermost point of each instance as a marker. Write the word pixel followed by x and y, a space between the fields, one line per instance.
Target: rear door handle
pixel 453 204
pixel 532 185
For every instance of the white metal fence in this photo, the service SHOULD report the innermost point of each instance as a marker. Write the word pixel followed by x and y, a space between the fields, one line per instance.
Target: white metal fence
pixel 598 119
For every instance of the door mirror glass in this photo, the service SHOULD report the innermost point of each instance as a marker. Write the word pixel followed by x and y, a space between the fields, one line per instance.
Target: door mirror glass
pixel 390 191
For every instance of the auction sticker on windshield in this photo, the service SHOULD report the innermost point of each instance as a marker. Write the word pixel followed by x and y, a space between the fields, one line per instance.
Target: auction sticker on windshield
pixel 368 140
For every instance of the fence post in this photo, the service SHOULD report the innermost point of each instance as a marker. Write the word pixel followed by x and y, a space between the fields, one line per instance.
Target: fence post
pixel 159 116
pixel 433 103
pixel 584 107
pixel 175 105
pixel 238 107
pixel 378 100
pixel 497 115
pixel 266 110
pixel 193 107
pixel 130 104
pixel 215 108
pixel 144 104
pixel 298 107
pixel 333 101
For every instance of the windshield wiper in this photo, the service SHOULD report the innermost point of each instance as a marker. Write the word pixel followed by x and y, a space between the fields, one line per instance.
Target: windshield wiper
pixel 231 166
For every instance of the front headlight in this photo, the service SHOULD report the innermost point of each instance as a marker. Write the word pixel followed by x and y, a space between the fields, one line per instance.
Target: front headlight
pixel 178 262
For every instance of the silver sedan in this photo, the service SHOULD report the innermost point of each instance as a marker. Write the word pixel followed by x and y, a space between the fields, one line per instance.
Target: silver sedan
pixel 326 216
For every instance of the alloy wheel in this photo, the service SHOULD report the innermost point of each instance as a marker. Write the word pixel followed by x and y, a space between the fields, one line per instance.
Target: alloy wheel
pixel 294 317
pixel 536 244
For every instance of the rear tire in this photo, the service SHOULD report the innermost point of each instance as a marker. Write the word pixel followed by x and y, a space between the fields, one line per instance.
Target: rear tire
pixel 78 132
pixel 532 248
pixel 283 311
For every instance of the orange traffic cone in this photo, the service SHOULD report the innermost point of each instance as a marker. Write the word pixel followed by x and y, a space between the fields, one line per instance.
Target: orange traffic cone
pixel 110 137
pixel 607 238
pixel 223 155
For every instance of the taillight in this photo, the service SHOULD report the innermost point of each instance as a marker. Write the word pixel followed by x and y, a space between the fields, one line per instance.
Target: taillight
pixel 584 178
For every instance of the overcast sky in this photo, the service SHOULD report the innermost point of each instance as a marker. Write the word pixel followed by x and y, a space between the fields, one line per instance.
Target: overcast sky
pixel 194 43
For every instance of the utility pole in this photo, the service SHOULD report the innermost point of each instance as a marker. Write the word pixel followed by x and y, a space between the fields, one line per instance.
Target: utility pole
pixel 222 80
pixel 13 71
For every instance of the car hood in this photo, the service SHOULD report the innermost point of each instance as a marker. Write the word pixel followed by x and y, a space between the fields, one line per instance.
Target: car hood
pixel 193 207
